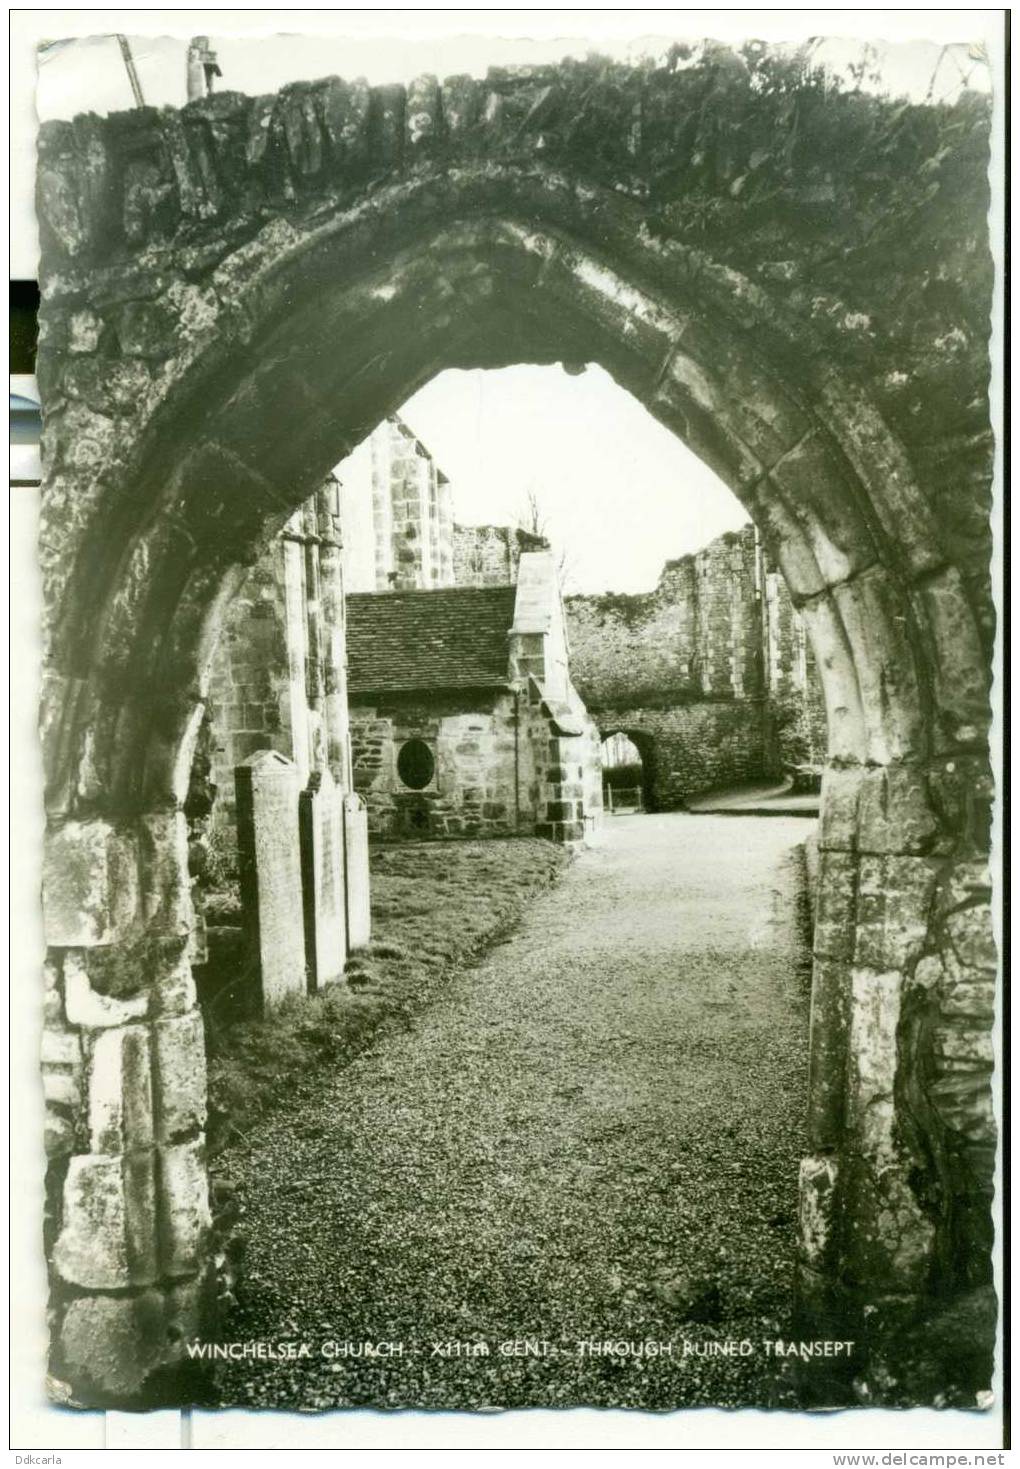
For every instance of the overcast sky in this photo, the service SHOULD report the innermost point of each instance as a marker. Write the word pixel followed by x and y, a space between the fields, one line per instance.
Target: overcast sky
pixel 619 493
pixel 89 75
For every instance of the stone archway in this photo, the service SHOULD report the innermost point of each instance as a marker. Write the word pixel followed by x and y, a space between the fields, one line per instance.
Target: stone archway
pixel 643 746
pixel 234 295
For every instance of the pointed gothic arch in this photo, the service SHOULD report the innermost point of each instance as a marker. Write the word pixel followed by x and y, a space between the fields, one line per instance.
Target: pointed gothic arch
pixel 220 326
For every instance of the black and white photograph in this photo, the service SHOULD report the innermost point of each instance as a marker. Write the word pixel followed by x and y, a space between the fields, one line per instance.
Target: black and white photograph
pixel 519 558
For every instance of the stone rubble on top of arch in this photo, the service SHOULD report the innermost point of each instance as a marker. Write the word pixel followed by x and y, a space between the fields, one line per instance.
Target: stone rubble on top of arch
pixel 796 281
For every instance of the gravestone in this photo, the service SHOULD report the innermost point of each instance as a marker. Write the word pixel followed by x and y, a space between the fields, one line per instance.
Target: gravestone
pixel 269 861
pixel 322 875
pixel 359 916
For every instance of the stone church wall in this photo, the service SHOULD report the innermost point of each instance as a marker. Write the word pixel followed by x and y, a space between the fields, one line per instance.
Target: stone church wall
pixel 490 555
pixel 502 768
pixel 249 703
pixel 478 765
pixel 695 747
pixel 521 759
pixel 276 681
pixel 712 665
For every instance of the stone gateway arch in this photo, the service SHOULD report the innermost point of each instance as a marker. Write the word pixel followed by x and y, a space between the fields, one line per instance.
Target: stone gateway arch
pixel 797 282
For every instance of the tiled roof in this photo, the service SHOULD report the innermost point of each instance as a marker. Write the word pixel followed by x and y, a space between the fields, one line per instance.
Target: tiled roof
pixel 454 637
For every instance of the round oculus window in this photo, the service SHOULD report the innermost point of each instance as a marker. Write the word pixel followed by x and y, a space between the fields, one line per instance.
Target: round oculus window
pixel 416 764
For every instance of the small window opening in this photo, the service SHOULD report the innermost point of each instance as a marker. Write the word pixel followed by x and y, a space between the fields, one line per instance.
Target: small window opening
pixel 416 764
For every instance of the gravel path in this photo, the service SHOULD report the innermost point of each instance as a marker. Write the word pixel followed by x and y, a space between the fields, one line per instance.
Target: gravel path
pixel 593 1135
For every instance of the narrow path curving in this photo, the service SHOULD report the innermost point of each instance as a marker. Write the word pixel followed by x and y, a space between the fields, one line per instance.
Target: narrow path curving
pixel 591 1137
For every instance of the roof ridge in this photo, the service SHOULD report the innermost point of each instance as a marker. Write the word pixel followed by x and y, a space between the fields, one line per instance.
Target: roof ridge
pixel 435 591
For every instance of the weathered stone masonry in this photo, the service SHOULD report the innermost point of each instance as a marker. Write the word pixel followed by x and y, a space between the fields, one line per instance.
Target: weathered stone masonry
pixel 712 667
pixel 278 674
pixel 397 510
pixel 399 532
pixel 795 281
pixel 490 555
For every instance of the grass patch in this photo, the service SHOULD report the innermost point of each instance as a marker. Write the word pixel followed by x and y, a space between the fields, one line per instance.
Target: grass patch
pixel 436 908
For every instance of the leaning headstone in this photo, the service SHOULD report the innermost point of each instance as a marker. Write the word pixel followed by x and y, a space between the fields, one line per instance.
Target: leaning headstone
pixel 322 874
pixel 359 916
pixel 269 861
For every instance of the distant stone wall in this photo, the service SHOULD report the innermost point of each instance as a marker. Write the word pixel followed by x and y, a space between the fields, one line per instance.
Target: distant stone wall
pixel 695 635
pixel 712 664
pixel 420 511
pixel 489 555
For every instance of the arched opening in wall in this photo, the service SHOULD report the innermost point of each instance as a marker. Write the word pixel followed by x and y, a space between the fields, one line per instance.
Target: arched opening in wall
pixel 388 704
pixel 430 741
pixel 331 328
pixel 627 772
pixel 432 565
pixel 461 717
